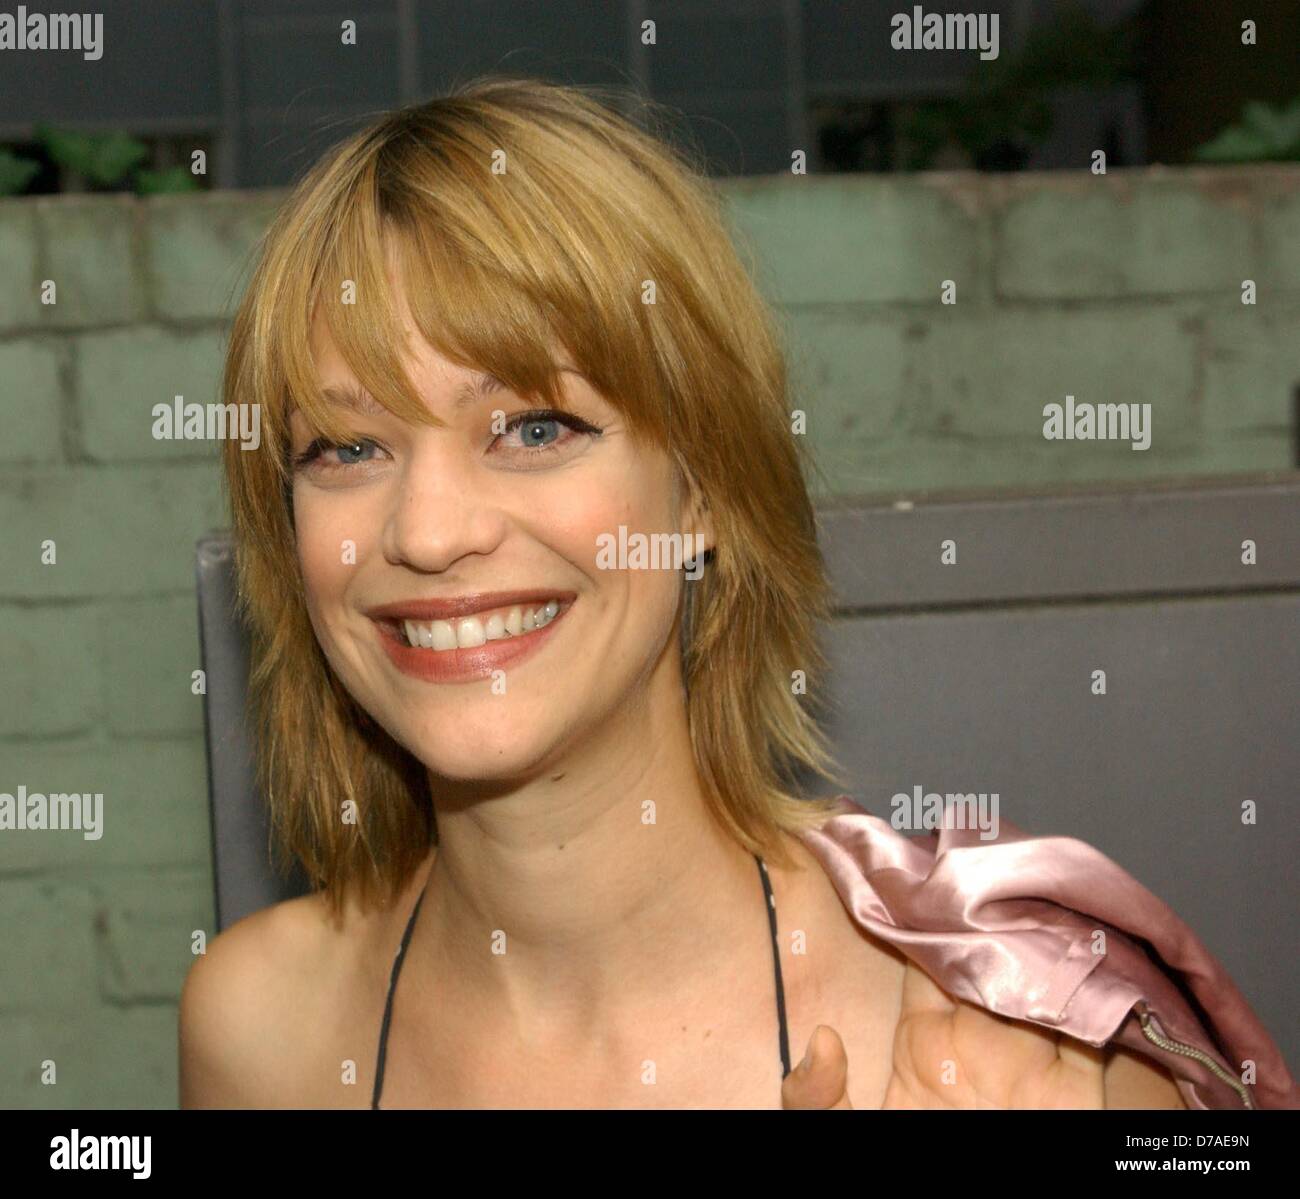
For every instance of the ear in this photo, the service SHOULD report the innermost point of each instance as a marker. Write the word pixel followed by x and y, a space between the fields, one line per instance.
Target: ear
pixel 693 515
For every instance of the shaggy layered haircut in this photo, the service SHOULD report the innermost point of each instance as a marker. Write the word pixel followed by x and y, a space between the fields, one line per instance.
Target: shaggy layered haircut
pixel 526 214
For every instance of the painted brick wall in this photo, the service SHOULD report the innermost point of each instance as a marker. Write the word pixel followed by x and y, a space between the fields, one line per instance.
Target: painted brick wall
pixel 1125 288
pixel 1122 288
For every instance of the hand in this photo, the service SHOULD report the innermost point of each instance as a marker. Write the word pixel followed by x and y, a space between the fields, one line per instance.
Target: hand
pixel 821 1079
pixel 948 1053
pixel 952 1054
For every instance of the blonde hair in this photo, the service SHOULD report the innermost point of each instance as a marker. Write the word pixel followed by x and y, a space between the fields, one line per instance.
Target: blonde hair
pixel 525 214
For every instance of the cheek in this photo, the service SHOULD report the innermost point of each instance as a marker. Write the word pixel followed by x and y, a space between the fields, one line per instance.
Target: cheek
pixel 629 490
pixel 321 531
pixel 582 517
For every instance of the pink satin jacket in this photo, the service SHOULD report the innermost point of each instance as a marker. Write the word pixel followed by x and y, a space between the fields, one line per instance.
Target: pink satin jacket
pixel 1010 923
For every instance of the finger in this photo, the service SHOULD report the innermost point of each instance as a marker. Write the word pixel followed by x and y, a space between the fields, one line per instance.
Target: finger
pixel 820 1081
pixel 922 994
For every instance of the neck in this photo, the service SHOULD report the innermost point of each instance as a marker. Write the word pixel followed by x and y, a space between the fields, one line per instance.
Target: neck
pixel 604 880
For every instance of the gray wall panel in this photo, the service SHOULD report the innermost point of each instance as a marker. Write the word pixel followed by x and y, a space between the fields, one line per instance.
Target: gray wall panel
pixel 1118 541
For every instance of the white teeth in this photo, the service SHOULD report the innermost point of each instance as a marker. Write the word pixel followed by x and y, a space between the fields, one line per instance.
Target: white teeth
pixel 468 632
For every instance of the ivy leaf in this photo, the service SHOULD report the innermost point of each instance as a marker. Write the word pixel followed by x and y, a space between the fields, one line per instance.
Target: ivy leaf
pixel 103 159
pixel 16 173
pixel 1280 129
pixel 173 179
pixel 1263 135
pixel 1234 144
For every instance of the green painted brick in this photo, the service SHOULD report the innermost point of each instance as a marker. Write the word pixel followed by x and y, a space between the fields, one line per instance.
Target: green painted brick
pixel 1119 235
pixel 1279 234
pixel 155 807
pixel 118 531
pixel 31 399
pixel 200 250
pixel 145 928
pixel 912 465
pixel 1059 244
pixel 1245 452
pixel 992 377
pixel 848 375
pixel 120 375
pixel 1252 368
pixel 51 684
pixel 150 648
pixel 20 306
pixel 91 254
pixel 105 1057
pixel 48 950
pixel 932 464
pixel 833 240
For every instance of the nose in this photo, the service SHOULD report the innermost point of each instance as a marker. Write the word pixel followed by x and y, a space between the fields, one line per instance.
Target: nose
pixel 441 512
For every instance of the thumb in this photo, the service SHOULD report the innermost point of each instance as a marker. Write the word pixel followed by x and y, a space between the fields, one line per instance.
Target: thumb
pixel 820 1081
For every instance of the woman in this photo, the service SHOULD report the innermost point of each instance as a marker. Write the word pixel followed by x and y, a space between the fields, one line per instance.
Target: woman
pixel 530 565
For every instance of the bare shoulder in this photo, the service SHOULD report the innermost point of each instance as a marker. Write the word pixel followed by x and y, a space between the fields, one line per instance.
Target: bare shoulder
pixel 841 975
pixel 241 1001
pixel 281 999
pixel 819 900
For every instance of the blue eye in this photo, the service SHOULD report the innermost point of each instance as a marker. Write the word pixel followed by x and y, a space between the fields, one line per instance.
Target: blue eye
pixel 546 430
pixel 535 433
pixel 357 448
pixel 351 453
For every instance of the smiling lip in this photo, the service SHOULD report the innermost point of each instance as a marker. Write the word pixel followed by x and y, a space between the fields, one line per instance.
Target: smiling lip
pixel 462 665
pixel 464 605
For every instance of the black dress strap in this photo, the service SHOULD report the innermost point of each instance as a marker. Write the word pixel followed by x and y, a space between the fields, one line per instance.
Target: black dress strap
pixel 406 940
pixel 776 965
pixel 388 1003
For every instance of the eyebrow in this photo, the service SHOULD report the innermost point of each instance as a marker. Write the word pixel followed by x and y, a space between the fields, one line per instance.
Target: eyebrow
pixel 482 386
pixel 359 400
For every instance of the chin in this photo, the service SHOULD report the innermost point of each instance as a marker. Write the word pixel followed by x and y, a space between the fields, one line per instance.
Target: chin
pixel 481 747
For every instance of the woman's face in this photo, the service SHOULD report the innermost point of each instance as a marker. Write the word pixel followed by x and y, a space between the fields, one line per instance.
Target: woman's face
pixel 484 534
